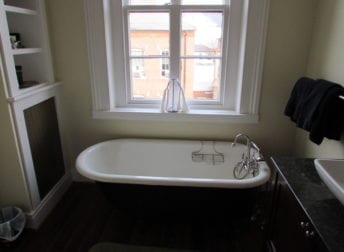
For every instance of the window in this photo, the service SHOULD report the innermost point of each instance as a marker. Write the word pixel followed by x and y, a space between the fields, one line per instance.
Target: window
pixel 197 37
pixel 215 48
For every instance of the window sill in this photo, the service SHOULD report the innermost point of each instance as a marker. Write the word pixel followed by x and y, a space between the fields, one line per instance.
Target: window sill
pixel 192 116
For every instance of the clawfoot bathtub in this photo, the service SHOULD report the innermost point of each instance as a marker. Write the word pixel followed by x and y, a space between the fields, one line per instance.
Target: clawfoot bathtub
pixel 166 163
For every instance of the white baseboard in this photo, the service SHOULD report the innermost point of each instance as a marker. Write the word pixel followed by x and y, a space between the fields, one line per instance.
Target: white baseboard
pixel 36 217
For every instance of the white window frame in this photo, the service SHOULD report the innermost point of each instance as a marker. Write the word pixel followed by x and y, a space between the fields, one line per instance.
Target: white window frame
pixel 246 29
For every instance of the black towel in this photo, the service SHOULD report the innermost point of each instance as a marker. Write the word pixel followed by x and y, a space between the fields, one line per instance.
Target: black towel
pixel 312 108
pixel 295 109
pixel 305 99
pixel 330 116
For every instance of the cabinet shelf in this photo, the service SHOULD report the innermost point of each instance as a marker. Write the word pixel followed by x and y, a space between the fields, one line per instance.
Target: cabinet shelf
pixel 19 10
pixel 31 91
pixel 26 51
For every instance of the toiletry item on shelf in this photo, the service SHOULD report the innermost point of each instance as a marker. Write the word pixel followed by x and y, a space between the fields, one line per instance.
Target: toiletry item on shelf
pixel 21 82
pixel 173 100
pixel 16 41
pixel 19 72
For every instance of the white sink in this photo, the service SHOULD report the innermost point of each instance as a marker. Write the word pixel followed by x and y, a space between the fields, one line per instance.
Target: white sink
pixel 331 171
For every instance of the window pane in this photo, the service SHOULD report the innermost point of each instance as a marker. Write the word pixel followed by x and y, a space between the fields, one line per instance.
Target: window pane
pixel 165 64
pixel 202 2
pixel 148 34
pixel 149 77
pixel 201 33
pixel 137 64
pixel 201 78
pixel 148 2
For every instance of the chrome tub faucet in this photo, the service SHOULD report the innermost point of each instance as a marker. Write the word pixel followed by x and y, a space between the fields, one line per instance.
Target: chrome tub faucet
pixel 249 162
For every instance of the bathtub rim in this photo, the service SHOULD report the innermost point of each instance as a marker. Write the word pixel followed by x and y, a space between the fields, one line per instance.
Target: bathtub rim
pixel 261 179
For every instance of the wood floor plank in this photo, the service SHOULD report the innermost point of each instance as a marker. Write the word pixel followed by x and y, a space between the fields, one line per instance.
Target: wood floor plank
pixel 84 217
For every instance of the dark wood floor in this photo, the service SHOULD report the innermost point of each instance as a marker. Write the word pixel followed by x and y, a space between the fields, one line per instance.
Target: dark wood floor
pixel 84 217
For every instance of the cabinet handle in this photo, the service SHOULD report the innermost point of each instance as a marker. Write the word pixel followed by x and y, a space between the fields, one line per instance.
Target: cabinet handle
pixel 309 233
pixel 304 224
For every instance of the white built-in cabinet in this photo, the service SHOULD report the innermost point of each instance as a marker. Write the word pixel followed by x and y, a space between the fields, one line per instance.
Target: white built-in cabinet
pixel 31 59
pixel 26 18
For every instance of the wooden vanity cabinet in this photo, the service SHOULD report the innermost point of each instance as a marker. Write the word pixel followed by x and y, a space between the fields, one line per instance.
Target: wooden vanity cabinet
pixel 290 228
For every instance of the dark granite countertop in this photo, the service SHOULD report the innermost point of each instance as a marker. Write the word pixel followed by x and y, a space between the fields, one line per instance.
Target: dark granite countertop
pixel 323 209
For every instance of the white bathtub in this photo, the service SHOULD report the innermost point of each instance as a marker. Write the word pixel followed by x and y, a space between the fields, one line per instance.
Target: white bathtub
pixel 164 163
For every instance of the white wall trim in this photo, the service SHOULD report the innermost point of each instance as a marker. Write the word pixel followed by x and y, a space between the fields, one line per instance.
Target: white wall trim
pixel 97 54
pixel 36 217
pixel 191 116
pixel 253 55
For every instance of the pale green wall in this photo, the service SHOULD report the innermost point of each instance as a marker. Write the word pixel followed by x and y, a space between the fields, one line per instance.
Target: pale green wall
pixel 326 60
pixel 12 183
pixel 288 41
